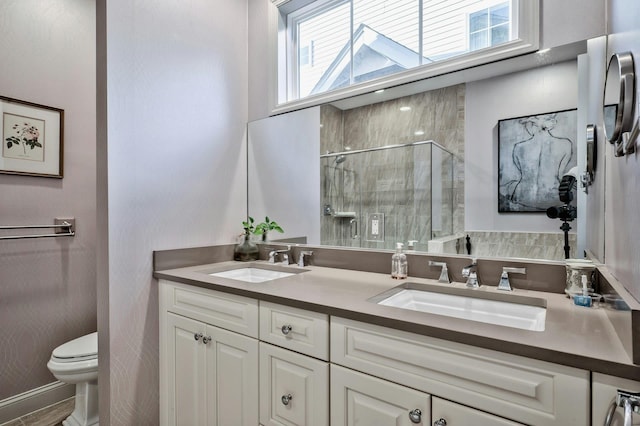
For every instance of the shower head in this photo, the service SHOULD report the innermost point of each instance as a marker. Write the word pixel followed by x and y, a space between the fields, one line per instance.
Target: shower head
pixel 340 158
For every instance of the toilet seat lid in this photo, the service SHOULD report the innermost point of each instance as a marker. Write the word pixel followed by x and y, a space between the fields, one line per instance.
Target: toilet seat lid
pixel 82 347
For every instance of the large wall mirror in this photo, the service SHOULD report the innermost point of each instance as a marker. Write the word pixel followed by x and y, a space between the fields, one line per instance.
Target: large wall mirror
pixel 422 165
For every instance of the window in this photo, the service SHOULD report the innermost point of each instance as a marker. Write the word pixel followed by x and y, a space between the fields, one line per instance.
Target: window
pixel 331 45
pixel 489 27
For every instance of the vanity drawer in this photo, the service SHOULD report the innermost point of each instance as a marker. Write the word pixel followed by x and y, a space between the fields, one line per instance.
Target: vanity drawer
pixel 459 415
pixel 529 391
pixel 296 329
pixel 294 388
pixel 359 399
pixel 224 310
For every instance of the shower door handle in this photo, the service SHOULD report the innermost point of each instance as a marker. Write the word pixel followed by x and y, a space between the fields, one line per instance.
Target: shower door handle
pixel 354 228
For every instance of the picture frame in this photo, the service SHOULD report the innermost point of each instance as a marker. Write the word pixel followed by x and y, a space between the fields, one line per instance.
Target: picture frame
pixel 32 139
pixel 534 153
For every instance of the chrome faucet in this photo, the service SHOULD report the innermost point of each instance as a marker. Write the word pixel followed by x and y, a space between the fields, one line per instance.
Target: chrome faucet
pixel 302 255
pixel 444 272
pixel 504 278
pixel 284 255
pixel 471 274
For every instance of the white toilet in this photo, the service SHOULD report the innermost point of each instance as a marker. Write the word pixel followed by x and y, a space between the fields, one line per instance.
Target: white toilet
pixel 77 362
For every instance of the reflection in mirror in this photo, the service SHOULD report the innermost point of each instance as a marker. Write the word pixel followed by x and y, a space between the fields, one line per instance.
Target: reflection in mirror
pixel 376 197
pixel 618 99
pixel 404 193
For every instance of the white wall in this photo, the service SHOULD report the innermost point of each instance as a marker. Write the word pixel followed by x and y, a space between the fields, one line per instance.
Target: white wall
pixel 546 89
pixel 622 243
pixel 47 286
pixel 175 169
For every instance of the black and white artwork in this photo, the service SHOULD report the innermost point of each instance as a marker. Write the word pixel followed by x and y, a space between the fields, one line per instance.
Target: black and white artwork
pixel 534 152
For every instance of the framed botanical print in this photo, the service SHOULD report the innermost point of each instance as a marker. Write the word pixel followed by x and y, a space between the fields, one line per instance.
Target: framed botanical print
pixel 32 139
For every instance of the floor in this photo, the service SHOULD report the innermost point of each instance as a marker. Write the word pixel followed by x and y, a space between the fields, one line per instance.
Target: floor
pixel 48 416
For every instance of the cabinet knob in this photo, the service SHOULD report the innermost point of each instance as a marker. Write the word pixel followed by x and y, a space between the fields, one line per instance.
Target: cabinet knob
pixel 206 339
pixel 286 329
pixel 441 422
pixel 415 416
pixel 197 336
pixel 286 399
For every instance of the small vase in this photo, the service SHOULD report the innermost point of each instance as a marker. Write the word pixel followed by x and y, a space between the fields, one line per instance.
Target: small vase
pixel 246 251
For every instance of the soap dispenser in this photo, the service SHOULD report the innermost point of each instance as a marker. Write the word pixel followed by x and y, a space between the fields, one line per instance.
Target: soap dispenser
pixel 399 263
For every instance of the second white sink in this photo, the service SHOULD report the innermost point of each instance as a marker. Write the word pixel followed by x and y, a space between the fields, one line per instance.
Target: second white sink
pixel 518 315
pixel 252 275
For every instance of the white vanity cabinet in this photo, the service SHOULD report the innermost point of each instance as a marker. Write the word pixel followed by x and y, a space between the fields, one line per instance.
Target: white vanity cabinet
pixel 294 378
pixel 361 399
pixel 604 390
pixel 512 387
pixel 447 413
pixel 294 388
pixel 208 375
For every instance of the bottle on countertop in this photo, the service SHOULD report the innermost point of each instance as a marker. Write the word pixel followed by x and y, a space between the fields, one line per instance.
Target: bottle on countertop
pixel 584 299
pixel 399 263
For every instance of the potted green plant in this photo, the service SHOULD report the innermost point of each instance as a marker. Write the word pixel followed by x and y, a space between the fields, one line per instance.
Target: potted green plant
pixel 266 226
pixel 247 250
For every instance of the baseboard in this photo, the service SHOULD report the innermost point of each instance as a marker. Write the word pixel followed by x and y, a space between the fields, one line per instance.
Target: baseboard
pixel 33 400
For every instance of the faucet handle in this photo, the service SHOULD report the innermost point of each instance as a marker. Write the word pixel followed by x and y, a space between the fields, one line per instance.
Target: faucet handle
pixel 504 278
pixel 302 255
pixel 272 256
pixel 444 272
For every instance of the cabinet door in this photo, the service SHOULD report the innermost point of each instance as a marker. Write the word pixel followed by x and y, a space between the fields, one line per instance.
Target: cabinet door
pixel 294 388
pixel 604 390
pixel 360 399
pixel 232 378
pixel 450 414
pixel 184 368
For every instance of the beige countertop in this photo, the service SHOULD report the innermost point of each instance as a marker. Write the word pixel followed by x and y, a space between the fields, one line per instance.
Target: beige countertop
pixel 574 336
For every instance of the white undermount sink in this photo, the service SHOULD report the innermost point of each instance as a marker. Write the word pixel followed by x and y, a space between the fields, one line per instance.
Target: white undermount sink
pixel 252 274
pixel 523 312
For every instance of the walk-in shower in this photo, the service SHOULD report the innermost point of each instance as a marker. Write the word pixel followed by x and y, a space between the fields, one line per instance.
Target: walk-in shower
pixel 376 197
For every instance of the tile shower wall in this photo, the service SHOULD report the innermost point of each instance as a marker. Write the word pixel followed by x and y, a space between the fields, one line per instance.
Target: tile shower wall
pixel 436 115
pixel 48 285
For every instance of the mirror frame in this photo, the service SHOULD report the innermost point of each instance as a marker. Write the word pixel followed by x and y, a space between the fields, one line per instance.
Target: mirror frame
pixel 626 94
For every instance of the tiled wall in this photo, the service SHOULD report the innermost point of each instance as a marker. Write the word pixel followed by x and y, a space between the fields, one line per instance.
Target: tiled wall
pixel 389 181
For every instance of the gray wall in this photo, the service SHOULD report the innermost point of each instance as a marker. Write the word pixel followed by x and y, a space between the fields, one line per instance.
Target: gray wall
pixel 47 286
pixel 622 243
pixel 171 169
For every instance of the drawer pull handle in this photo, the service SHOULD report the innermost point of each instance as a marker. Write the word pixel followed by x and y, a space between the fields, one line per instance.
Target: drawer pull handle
pixel 286 329
pixel 441 422
pixel 415 416
pixel 197 336
pixel 286 399
pixel 206 339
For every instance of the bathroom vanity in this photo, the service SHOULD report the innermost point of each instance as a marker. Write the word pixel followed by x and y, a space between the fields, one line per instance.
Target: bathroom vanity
pixel 315 348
